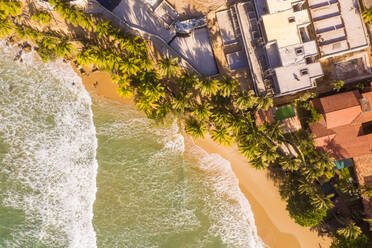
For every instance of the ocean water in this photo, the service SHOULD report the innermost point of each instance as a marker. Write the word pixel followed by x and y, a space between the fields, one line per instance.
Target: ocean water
pixel 77 171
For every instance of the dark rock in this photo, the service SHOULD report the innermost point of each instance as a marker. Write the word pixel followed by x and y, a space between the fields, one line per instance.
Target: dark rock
pixel 27 47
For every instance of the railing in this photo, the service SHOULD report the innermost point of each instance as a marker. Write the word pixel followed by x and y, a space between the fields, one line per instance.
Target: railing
pixel 159 43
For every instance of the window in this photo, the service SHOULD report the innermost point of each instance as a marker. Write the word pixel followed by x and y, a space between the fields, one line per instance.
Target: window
pixel 291 19
pixel 299 50
pixel 304 72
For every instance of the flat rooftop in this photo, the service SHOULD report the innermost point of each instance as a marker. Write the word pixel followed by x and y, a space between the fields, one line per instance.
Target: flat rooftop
pixel 282 27
pixel 279 5
pixel 292 78
pixel 338 25
pixel 226 26
pixel 197 50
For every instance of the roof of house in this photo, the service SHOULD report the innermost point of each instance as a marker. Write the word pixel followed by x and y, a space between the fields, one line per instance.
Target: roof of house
pixel 338 26
pixel 280 28
pixel 339 109
pixel 340 130
pixel 279 5
pixel 295 77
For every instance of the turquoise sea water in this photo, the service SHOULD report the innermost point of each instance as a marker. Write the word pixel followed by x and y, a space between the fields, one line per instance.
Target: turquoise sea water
pixel 81 172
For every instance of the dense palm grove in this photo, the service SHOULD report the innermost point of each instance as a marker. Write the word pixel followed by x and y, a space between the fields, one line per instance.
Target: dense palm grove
pixel 163 90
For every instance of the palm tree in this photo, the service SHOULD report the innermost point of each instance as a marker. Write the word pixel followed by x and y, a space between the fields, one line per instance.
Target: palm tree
pixel 187 81
pixel 195 128
pixel 265 103
pixel 222 135
pixel 48 43
pixel 306 187
pixel 28 33
pixel 6 28
pixel 11 8
pixel 248 149
pixel 351 231
pixel 41 17
pixel 181 101
pixel 367 15
pixel 246 101
pixel 130 66
pixel 201 111
pixel 220 117
pixel 144 104
pixel 125 91
pixel 168 67
pixel 64 48
pixel 228 86
pixel 103 29
pixel 208 87
pixel 321 202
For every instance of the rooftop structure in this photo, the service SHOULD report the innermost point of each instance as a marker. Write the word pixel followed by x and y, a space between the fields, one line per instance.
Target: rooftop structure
pixel 227 29
pixel 338 26
pixel 282 27
pixel 277 44
pixel 345 128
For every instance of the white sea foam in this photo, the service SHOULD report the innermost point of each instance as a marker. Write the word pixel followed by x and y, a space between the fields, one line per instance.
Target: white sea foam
pixel 51 169
pixel 172 190
pixel 50 166
pixel 233 218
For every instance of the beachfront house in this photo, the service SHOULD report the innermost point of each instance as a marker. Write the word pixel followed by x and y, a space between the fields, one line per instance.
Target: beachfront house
pixel 277 44
pixel 345 132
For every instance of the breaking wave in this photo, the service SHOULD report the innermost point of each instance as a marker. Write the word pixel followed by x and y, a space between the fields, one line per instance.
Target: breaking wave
pixel 150 190
pixel 47 154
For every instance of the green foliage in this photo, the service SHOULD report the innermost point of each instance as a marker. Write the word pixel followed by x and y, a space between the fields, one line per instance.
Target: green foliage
pixel 246 101
pixel 10 8
pixel 6 28
pixel 337 85
pixel 228 87
pixel 195 128
pixel 308 112
pixel 367 16
pixel 41 17
pixel 168 67
pixel 221 135
pixel 339 241
pixel 303 212
pixel 28 33
pixel 351 231
pixel 72 15
pixel 208 87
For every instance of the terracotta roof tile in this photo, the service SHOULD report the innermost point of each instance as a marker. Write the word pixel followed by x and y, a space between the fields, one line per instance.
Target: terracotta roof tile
pixel 340 101
pixel 341 133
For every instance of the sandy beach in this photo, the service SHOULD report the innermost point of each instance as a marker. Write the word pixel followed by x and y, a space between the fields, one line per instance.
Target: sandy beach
pixel 274 225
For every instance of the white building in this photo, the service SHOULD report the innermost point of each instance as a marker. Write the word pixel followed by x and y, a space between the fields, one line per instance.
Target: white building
pixel 278 45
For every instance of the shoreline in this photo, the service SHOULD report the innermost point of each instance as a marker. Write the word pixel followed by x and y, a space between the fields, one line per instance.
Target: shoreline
pixel 274 226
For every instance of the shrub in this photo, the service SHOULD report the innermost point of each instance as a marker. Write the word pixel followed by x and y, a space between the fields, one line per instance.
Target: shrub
pixel 303 212
pixel 337 85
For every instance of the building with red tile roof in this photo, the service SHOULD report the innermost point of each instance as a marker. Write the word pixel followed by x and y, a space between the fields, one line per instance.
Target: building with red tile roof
pixel 345 128
pixel 345 131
